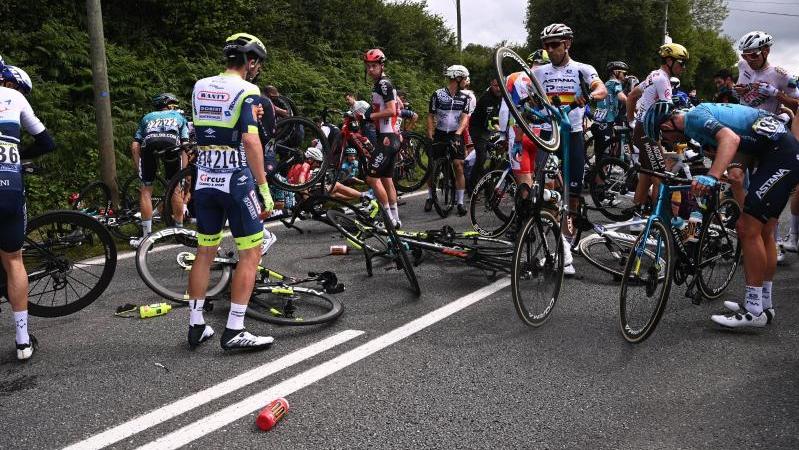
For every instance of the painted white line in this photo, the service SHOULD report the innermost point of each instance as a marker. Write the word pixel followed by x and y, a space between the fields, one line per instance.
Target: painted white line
pixel 166 412
pixel 238 410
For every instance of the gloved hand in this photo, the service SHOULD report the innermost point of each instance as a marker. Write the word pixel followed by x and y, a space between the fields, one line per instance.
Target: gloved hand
pixel 707 180
pixel 269 204
pixel 766 89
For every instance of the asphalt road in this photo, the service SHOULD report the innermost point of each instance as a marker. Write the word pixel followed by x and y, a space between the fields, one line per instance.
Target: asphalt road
pixel 454 368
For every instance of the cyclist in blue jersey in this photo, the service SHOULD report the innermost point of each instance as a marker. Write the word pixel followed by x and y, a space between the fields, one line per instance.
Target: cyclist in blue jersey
pixel 732 129
pixel 230 164
pixel 15 114
pixel 164 129
pixel 607 110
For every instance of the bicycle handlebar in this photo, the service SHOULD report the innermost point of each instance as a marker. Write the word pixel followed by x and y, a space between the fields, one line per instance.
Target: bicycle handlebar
pixel 667 176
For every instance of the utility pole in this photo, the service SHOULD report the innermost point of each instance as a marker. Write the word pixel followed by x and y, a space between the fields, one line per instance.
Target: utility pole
pixel 666 38
pixel 458 11
pixel 102 99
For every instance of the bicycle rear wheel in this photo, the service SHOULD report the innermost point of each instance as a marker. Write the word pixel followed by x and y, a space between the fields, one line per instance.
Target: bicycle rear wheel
pixel 612 187
pixel 292 305
pixel 719 250
pixel 646 283
pixel 606 253
pixel 94 199
pixel 492 207
pixel 537 274
pixel 180 192
pixel 165 258
pixel 443 187
pixel 410 169
pixel 70 259
pixel 293 136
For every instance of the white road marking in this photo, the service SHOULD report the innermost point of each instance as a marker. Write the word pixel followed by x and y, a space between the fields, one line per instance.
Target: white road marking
pixel 238 410
pixel 166 412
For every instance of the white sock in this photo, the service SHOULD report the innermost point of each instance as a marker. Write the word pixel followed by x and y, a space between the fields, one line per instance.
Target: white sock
pixel 196 312
pixel 459 196
pixel 766 295
pixel 21 325
pixel 754 300
pixel 147 226
pixel 429 193
pixel 394 212
pixel 794 225
pixel 388 210
pixel 777 232
pixel 179 224
pixel 235 320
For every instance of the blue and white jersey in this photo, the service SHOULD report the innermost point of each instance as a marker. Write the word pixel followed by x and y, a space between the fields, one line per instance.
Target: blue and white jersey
pixel 162 125
pixel 15 114
pixel 608 108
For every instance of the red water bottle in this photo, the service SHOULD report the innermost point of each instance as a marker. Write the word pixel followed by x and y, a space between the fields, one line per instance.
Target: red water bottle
pixel 272 413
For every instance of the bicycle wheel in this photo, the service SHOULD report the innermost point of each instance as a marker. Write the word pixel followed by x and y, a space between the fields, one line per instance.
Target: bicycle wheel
pixel 646 283
pixel 70 259
pixel 612 187
pixel 719 250
pixel 443 187
pixel 358 232
pixel 410 171
pixel 606 253
pixel 537 273
pixel 164 261
pixel 179 190
pixel 400 254
pixel 507 62
pixel 292 305
pixel 129 196
pixel 492 206
pixel 293 136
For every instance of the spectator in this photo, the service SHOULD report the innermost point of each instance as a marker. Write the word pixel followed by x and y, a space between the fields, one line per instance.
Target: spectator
pixel 724 84
pixel 480 128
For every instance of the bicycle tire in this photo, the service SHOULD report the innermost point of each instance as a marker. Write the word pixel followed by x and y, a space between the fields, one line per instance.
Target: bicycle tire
pixel 718 243
pixel 538 258
pixel 410 172
pixel 660 237
pixel 492 208
pixel 181 184
pixel 290 151
pixel 163 261
pixel 606 254
pixel 613 197
pixel 129 196
pixel 293 306
pixel 400 254
pixel 354 230
pixel 52 241
pixel 443 187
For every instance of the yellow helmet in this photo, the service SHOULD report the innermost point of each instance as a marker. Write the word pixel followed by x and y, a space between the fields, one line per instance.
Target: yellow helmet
pixel 675 51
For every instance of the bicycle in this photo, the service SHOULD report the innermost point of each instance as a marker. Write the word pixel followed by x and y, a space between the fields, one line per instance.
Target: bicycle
pixel 164 259
pixel 492 204
pixel 442 179
pixel 653 265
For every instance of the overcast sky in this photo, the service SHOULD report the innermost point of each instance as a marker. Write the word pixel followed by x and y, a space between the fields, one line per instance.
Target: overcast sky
pixel 504 20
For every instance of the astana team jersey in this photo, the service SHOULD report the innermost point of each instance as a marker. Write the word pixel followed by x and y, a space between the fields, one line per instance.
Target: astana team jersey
pixel 773 75
pixel 564 82
pixel 15 113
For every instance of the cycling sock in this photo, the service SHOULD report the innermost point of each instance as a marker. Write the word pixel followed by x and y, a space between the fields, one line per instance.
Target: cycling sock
pixel 429 193
pixel 393 211
pixel 777 232
pixel 388 209
pixel 179 224
pixel 766 295
pixel 196 312
pixel 147 226
pixel 794 225
pixel 754 299
pixel 459 196
pixel 235 320
pixel 21 325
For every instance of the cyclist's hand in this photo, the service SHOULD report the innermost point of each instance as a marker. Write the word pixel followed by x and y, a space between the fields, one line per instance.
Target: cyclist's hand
pixel 269 204
pixel 517 151
pixel 259 112
pixel 703 184
pixel 766 89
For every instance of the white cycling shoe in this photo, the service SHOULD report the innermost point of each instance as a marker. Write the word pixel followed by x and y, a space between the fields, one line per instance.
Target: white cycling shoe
pixel 269 239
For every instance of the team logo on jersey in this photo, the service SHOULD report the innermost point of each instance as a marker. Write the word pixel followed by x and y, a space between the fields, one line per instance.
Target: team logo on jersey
pixel 235 99
pixel 210 112
pixel 212 96
pixel 210 133
pixel 771 182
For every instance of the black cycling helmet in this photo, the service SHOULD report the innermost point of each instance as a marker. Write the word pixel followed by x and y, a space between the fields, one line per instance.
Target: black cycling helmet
pixel 617 65
pixel 161 101
pixel 244 44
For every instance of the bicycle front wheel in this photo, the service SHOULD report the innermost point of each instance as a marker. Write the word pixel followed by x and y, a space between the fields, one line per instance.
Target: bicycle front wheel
pixel 293 136
pixel 612 187
pixel 492 207
pixel 719 250
pixel 537 269
pixel 292 305
pixel 443 187
pixel 410 169
pixel 70 259
pixel 646 283
pixel 608 254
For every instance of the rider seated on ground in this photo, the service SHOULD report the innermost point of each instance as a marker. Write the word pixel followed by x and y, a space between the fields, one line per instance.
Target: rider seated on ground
pixel 350 168
pixel 732 129
pixel 301 172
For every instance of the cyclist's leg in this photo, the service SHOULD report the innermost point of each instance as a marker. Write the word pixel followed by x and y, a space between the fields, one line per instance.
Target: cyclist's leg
pixel 147 168
pixel 437 150
pixel 171 168
pixel 736 174
pixel 381 169
pixel 644 181
pixel 13 220
pixel 210 220
pixel 481 141
pixel 458 152
pixel 576 174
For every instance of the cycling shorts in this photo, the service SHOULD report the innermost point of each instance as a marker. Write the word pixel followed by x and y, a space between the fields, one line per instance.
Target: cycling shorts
pixel 443 142
pixel 148 164
pixel 576 160
pixel 650 156
pixel 526 160
pixel 13 220
pixel 240 207
pixel 771 184
pixel 603 136
pixel 381 165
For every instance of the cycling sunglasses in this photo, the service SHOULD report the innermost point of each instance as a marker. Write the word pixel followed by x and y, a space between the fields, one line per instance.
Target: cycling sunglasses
pixel 752 55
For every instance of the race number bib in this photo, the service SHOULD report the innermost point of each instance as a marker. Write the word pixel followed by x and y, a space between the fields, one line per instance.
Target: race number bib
pixel 218 158
pixel 769 126
pixel 9 158
pixel 600 115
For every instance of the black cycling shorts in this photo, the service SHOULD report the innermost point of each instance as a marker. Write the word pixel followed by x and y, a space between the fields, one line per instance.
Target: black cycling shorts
pixel 771 184
pixel 444 142
pixel 649 153
pixel 13 220
pixel 381 165
pixel 603 136
pixel 148 164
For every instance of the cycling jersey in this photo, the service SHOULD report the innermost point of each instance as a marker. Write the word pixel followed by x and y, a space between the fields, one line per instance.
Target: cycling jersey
pixel 448 109
pixel 350 169
pixel 772 75
pixel 607 109
pixel 299 173
pixel 162 126
pixel 382 93
pixel 15 113
pixel 517 85
pixel 564 82
pixel 224 108
pixel 704 121
pixel 776 176
pixel 655 87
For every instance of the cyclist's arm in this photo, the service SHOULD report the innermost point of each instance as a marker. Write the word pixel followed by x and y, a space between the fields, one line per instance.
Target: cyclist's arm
pixel 598 90
pixel 728 143
pixel 42 144
pixel 388 112
pixel 632 100
pixel 464 119
pixel 250 138
pixel 622 98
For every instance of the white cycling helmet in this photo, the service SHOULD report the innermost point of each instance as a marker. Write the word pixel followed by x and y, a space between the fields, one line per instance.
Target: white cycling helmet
pixel 17 75
pixel 456 71
pixel 314 154
pixel 556 30
pixel 755 40
pixel 675 82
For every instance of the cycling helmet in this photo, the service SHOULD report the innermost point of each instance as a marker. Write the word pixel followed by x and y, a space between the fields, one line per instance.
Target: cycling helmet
pixel 18 76
pixel 456 71
pixel 539 56
pixel 675 82
pixel 244 44
pixel 375 55
pixel 350 151
pixel 161 101
pixel 617 65
pixel 659 112
pixel 754 40
pixel 675 51
pixel 556 30
pixel 314 154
